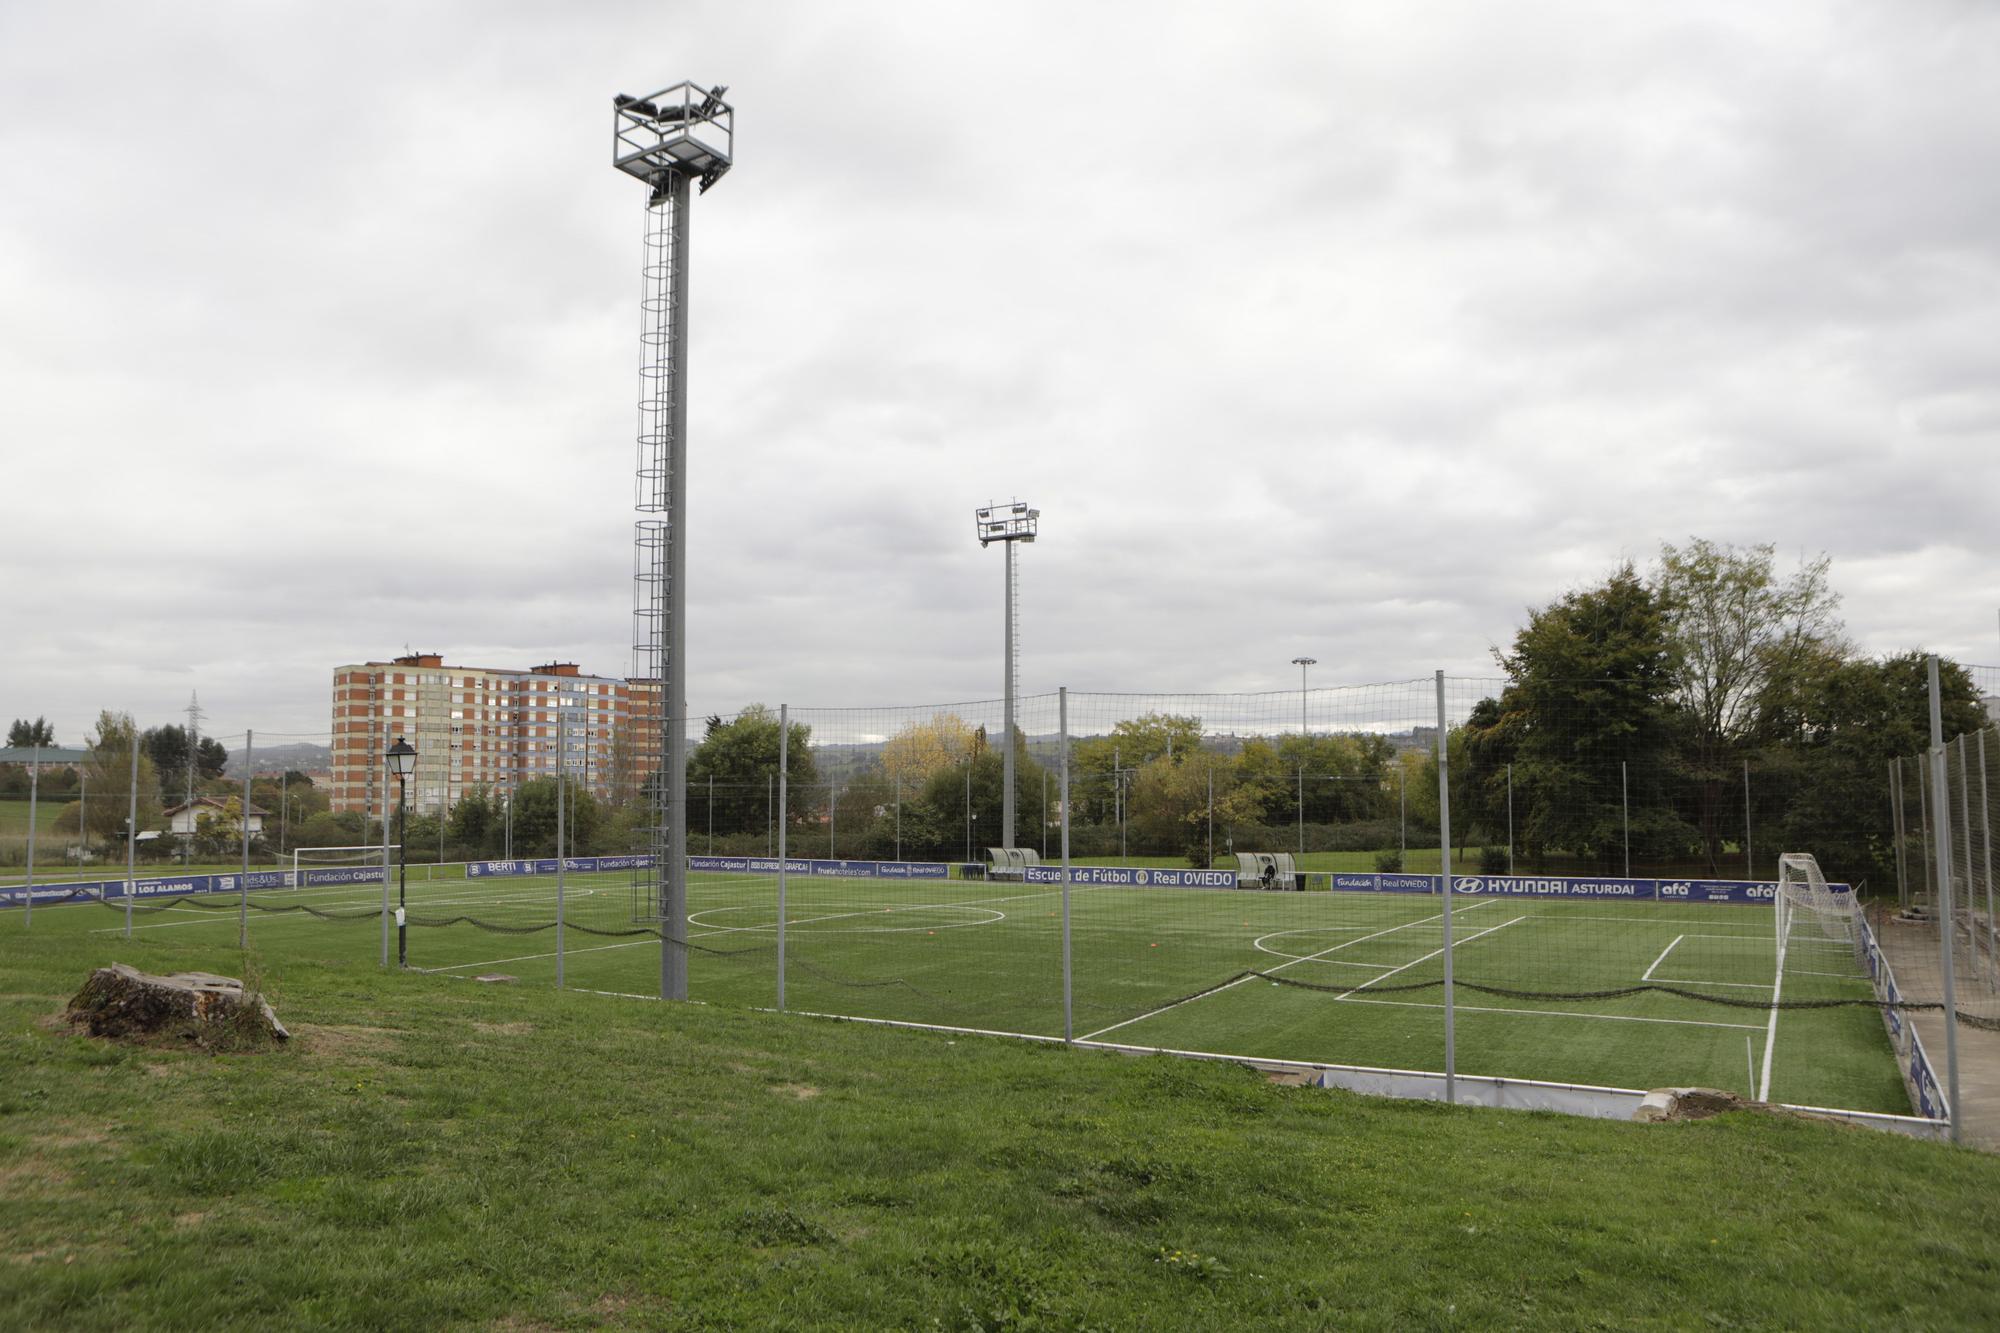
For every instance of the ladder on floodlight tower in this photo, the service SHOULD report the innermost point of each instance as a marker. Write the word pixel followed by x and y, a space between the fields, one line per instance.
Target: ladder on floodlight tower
pixel 667 140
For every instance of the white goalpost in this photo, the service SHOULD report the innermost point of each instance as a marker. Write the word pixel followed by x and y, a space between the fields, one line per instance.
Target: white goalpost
pixel 338 865
pixel 1809 910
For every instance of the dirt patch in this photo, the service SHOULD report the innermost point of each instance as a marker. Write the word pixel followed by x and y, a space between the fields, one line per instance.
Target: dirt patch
pixel 20 1177
pixel 73 1138
pixel 188 1221
pixel 504 1029
pixel 1289 1078
pixel 330 1040
pixel 804 1092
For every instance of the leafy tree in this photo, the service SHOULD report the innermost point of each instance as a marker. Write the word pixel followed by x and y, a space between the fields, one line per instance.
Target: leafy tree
pixel 921 750
pixel 1346 777
pixel 349 828
pixel 218 833
pixel 741 757
pixel 167 747
pixel 1100 764
pixel 535 817
pixel 23 735
pixel 1590 684
pixel 1738 632
pixel 1822 770
pixel 108 770
pixel 476 822
pixel 1170 803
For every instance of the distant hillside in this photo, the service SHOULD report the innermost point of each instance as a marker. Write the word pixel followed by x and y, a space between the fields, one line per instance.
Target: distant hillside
pixel 302 756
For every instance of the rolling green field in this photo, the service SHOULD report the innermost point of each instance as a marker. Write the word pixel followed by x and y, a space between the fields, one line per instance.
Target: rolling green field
pixel 1340 978
pixel 14 817
pixel 431 1154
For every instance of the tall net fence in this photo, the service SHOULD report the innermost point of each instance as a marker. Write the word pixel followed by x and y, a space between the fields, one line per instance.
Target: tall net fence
pixel 1249 875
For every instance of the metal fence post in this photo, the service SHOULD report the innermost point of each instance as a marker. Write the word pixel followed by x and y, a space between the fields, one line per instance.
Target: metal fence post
pixel 1510 819
pixel 1062 722
pixel 242 885
pixel 1945 927
pixel 132 835
pixel 1625 806
pixel 1899 833
pixel 1211 816
pixel 562 787
pixel 1749 851
pixel 1444 880
pixel 28 881
pixel 1986 845
pixel 1924 842
pixel 784 772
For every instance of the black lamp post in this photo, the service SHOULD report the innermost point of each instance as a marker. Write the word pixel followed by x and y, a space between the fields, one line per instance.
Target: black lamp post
pixel 402 762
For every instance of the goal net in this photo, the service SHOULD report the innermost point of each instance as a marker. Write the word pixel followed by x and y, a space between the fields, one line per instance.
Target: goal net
pixel 1811 914
pixel 339 865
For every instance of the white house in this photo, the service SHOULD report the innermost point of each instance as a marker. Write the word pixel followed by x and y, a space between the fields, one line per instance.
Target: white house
pixel 181 818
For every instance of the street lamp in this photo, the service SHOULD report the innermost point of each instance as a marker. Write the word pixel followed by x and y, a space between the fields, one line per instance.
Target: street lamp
pixel 402 762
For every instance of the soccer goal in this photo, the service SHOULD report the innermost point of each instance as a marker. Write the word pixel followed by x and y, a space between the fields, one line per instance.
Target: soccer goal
pixel 1809 910
pixel 339 865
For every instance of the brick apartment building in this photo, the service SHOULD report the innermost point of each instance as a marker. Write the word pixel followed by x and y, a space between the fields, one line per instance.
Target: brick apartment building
pixel 488 727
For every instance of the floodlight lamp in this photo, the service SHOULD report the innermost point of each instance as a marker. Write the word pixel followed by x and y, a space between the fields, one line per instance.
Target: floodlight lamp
pixel 1014 522
pixel 1305 661
pixel 402 758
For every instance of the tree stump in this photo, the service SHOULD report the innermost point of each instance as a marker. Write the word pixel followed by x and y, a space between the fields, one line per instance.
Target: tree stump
pixel 121 1001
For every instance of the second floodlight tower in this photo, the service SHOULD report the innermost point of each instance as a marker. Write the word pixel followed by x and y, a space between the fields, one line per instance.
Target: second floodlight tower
pixel 668 140
pixel 1008 524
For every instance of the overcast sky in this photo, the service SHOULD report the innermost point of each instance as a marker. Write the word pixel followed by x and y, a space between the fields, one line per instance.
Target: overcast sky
pixel 1351 330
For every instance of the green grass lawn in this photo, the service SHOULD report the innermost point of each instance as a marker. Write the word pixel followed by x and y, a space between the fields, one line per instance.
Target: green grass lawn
pixel 1147 965
pixel 430 1153
pixel 14 817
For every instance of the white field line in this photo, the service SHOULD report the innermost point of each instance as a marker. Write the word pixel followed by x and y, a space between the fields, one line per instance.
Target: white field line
pixel 1455 946
pixel 1647 975
pixel 1317 957
pixel 1554 1013
pixel 1697 981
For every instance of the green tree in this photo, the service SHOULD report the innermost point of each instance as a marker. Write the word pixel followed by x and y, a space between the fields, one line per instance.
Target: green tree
pixel 1101 766
pixel 476 823
pixel 535 818
pixel 1170 807
pixel 1738 632
pixel 1591 685
pixel 740 756
pixel 1827 746
pixel 109 772
pixel 23 735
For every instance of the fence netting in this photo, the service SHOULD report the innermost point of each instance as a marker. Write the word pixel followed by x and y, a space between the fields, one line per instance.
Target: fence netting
pixel 1258 875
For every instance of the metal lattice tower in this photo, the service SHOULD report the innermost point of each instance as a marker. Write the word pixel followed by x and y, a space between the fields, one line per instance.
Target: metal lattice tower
pixel 667 139
pixel 1008 524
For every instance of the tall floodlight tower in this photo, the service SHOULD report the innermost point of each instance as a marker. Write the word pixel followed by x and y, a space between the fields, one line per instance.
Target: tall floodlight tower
pixel 668 139
pixel 1008 524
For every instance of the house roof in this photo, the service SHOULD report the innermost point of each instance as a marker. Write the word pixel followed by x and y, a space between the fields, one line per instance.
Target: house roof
pixel 48 754
pixel 213 803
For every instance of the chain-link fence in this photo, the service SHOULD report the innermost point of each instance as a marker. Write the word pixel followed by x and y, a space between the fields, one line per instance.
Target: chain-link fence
pixel 1244 875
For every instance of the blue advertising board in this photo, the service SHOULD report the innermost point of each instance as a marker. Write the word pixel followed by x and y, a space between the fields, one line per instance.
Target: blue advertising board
pixel 1371 882
pixel 1137 877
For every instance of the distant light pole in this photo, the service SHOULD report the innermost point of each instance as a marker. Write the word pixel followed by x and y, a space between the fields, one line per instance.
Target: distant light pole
pixel 402 762
pixel 1304 664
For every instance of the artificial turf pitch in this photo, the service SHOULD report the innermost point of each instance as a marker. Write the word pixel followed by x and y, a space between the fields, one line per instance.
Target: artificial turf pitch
pixel 1150 967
